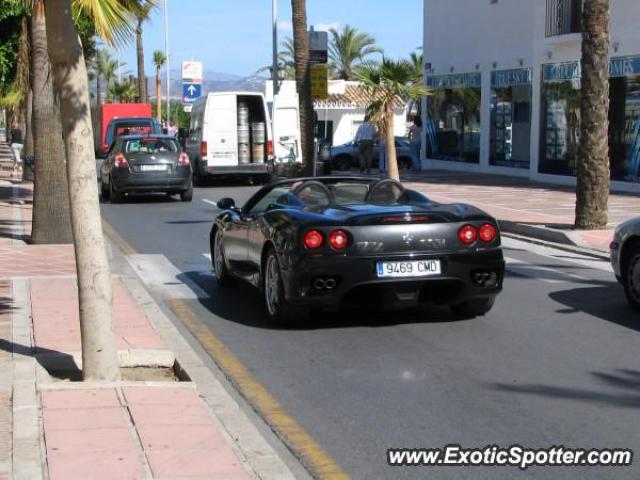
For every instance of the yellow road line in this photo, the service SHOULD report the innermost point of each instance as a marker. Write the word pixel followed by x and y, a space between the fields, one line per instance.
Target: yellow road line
pixel 122 244
pixel 303 446
pixel 312 456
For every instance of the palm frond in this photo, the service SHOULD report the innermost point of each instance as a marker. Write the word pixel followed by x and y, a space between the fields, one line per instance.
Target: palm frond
pixel 111 18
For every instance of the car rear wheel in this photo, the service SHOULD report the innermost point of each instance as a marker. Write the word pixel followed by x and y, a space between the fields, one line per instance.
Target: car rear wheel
pixel 631 279
pixel 187 195
pixel 280 312
pixel 217 257
pixel 473 308
pixel 114 195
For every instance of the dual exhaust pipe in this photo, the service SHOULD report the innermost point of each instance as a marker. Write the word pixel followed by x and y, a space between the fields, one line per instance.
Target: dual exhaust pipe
pixel 325 284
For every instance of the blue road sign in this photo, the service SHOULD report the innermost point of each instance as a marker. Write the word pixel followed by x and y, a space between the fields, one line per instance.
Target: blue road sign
pixel 191 92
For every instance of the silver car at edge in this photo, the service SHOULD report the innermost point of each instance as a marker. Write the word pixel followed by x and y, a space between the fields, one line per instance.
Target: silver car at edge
pixel 625 259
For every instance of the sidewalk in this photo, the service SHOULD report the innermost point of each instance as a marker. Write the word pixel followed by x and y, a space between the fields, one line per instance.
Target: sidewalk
pixel 523 207
pixel 156 423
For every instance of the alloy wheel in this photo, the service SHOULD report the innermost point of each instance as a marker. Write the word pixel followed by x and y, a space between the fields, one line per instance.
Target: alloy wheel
pixel 272 285
pixel 633 278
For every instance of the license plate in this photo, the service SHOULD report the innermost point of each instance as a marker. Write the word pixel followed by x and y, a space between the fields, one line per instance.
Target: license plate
pixel 153 168
pixel 416 268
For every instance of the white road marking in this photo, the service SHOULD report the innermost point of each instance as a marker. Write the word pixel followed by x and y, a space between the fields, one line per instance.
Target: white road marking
pixel 163 278
pixel 539 272
pixel 573 258
pixel 210 202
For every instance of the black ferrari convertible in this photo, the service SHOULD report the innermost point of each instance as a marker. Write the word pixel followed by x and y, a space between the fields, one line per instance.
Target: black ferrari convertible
pixel 324 243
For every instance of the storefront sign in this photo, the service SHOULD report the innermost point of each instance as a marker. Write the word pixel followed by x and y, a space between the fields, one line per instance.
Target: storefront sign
pixel 508 78
pixel 618 67
pixel 459 80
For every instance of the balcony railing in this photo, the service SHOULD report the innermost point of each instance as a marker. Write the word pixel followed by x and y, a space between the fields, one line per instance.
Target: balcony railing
pixel 563 17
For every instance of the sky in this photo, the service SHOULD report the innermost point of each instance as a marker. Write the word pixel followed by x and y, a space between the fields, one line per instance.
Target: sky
pixel 234 37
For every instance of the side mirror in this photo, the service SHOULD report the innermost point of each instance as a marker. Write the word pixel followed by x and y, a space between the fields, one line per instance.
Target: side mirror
pixel 226 204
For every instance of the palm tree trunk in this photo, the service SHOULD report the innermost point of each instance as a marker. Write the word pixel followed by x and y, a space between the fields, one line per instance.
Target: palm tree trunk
pixel 51 217
pixel 303 81
pixel 28 126
pixel 593 166
pixel 99 356
pixel 158 96
pixel 392 158
pixel 142 86
pixel 22 78
pixel 98 89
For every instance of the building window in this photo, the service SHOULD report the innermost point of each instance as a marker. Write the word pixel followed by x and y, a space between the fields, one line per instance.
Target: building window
pixel 560 135
pixel 560 127
pixel 453 121
pixel 511 118
pixel 325 130
pixel 563 17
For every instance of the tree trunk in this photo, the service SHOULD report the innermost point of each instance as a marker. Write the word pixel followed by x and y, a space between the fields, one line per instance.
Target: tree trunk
pixel 99 356
pixel 98 90
pixel 28 126
pixel 303 82
pixel 392 158
pixel 22 79
pixel 593 166
pixel 142 86
pixel 51 217
pixel 158 96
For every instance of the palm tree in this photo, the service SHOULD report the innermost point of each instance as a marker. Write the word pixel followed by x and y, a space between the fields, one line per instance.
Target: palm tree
pixel 159 59
pixel 142 15
pixel 303 81
pixel 592 192
pixel 389 85
pixel 51 211
pixel 105 69
pixel 122 92
pixel 348 49
pixel 286 60
pixel 99 356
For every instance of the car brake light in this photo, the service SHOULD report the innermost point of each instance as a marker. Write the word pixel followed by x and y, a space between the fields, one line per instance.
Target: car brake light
pixel 203 149
pixel 339 239
pixel 183 161
pixel 120 161
pixel 488 233
pixel 313 239
pixel 468 234
pixel 270 147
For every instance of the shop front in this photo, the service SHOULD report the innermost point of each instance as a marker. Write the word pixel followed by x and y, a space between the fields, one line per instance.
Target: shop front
pixel 560 133
pixel 511 118
pixel 452 123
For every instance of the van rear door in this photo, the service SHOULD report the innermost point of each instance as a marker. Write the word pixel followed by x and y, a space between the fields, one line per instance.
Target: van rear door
pixel 221 131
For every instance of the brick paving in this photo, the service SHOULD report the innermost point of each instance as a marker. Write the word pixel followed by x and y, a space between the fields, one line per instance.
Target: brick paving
pixel 6 377
pixel 523 201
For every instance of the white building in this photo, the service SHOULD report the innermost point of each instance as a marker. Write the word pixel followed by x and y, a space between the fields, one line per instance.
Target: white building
pixel 340 115
pixel 505 79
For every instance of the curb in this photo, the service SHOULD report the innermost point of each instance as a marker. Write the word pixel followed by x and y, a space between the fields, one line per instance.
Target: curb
pixel 546 234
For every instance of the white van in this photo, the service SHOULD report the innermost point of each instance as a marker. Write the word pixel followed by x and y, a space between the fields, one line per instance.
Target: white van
pixel 217 146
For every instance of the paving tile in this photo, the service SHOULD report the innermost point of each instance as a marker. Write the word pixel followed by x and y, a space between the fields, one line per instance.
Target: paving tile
pixel 85 418
pixel 70 399
pixel 88 440
pixel 181 437
pixel 149 415
pixel 177 463
pixel 96 466
pixel 162 396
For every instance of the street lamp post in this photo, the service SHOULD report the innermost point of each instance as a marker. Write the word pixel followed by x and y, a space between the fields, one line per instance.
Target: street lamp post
pixel 274 72
pixel 166 46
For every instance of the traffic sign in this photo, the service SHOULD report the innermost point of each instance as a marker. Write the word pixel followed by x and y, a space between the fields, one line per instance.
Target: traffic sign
pixel 191 92
pixel 192 72
pixel 318 46
pixel 319 81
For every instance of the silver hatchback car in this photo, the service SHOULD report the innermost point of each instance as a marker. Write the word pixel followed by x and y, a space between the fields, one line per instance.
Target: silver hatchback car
pixel 625 259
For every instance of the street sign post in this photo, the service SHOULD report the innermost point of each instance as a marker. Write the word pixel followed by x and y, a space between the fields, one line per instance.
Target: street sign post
pixel 192 73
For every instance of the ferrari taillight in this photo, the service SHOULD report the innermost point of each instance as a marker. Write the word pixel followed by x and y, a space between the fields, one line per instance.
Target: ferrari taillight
pixel 183 161
pixel 339 239
pixel 468 234
pixel 313 239
pixel 120 162
pixel 487 233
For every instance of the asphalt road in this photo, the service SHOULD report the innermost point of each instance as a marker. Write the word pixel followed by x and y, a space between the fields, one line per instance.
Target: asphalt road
pixel 555 363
